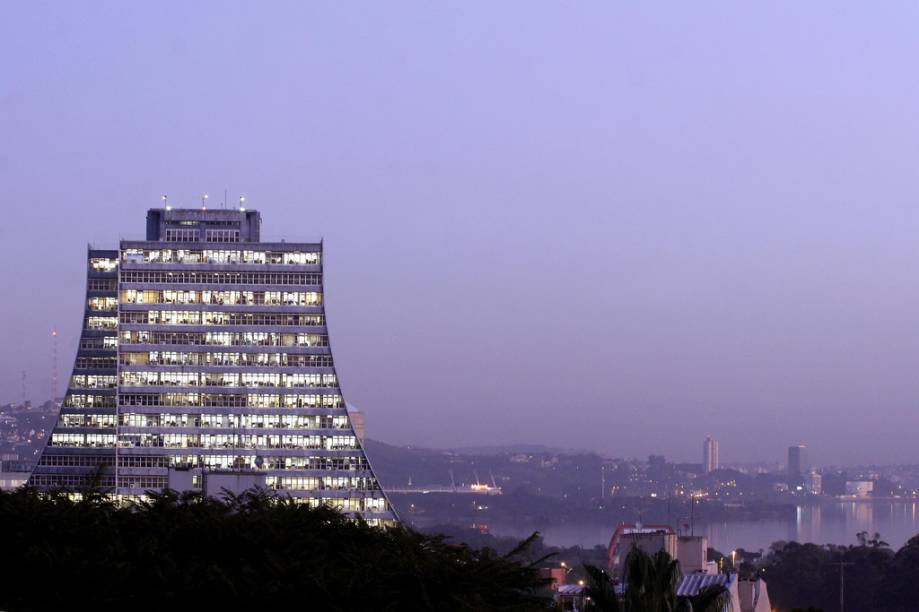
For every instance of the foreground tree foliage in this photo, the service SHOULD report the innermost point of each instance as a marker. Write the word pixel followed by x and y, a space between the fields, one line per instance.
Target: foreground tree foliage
pixel 180 551
pixel 806 576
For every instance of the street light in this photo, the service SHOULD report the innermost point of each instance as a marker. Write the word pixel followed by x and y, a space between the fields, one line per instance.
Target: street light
pixel 242 203
pixel 204 202
pixel 734 560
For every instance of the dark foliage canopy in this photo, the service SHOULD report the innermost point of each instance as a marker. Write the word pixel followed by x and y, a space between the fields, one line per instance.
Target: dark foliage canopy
pixel 252 550
pixel 807 576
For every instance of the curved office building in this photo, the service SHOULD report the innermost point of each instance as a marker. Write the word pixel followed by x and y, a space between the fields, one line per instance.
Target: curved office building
pixel 204 364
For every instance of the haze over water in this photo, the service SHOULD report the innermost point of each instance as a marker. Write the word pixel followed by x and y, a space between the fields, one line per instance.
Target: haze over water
pixel 616 227
pixel 832 523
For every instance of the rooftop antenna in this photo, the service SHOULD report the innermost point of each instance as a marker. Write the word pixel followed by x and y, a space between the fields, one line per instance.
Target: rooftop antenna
pixel 53 364
pixel 204 201
pixel 669 497
pixel 225 198
pixel 692 507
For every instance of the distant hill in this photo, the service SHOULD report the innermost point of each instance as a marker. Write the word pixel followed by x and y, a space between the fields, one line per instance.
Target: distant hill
pixel 544 468
pixel 530 449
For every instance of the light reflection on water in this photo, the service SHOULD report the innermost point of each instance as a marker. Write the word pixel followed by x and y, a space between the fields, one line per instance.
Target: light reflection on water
pixel 831 523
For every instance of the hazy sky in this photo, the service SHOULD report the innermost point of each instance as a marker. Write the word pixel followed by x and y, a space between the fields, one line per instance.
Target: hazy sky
pixel 612 225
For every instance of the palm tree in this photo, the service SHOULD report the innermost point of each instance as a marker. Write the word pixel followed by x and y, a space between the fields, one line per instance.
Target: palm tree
pixel 649 585
pixel 651 581
pixel 877 542
pixel 601 591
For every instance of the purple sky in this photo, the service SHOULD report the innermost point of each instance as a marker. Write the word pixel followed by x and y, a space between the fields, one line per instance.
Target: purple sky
pixel 612 227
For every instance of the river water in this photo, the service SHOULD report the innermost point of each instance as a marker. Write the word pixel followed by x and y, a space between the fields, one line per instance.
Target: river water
pixel 830 523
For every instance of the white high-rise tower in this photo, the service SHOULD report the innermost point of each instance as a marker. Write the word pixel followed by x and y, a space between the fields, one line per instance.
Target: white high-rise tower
pixel 204 363
pixel 710 455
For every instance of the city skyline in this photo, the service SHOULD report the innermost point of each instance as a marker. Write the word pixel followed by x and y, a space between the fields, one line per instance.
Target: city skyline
pixel 678 222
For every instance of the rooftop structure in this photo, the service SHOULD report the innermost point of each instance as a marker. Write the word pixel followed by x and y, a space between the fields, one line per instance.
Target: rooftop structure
pixel 690 551
pixel 204 361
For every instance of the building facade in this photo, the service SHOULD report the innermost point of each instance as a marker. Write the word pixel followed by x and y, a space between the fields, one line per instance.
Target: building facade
pixel 204 361
pixel 813 482
pixel 798 463
pixel 710 455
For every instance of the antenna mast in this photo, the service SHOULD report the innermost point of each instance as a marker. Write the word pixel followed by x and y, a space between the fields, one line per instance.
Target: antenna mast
pixel 53 365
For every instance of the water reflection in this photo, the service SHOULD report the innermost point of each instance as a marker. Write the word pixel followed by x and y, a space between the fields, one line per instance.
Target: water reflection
pixel 831 523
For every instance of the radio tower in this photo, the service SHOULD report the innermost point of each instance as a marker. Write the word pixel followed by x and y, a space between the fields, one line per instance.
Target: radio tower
pixel 23 387
pixel 53 365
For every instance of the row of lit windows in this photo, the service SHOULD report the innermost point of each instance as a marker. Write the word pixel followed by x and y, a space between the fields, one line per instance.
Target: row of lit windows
pixel 102 264
pixel 226 379
pixel 351 463
pixel 134 481
pixel 208 296
pixel 83 440
pixel 102 303
pixel 153 440
pixel 225 338
pixel 86 420
pixel 220 256
pixel 229 421
pixel 170 358
pixel 203 440
pixel 101 322
pixel 192 317
pixel 78 400
pixel 355 504
pixel 93 381
pixel 221 278
pixel 99 342
pixel 314 483
pixel 215 421
pixel 252 400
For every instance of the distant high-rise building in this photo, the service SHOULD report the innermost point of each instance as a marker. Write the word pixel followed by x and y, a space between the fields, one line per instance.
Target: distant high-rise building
pixel 710 455
pixel 797 462
pixel 204 361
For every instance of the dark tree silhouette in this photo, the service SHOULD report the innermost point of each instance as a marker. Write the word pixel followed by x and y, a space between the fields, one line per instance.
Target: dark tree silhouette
pixel 184 551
